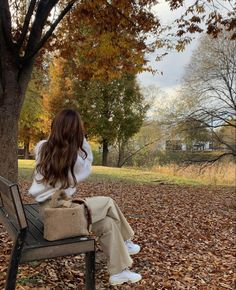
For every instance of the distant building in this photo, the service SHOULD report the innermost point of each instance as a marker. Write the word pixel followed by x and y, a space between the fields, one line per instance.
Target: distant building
pixel 179 145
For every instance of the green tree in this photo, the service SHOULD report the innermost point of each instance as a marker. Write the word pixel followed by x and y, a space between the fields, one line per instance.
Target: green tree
pixel 33 125
pixel 130 114
pixel 112 110
pixel 30 123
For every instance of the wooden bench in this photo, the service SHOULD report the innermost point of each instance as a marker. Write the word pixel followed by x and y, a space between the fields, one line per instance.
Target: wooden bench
pixel 23 223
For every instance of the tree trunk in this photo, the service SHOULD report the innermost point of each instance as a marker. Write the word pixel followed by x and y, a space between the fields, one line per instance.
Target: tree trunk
pixel 104 152
pixel 16 64
pixel 121 155
pixel 14 82
pixel 26 150
pixel 8 138
pixel 26 142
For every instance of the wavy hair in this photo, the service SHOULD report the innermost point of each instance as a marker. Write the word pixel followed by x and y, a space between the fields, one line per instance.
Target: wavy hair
pixel 58 155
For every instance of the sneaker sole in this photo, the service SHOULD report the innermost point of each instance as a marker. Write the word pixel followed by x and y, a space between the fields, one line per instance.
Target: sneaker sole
pixel 124 281
pixel 134 252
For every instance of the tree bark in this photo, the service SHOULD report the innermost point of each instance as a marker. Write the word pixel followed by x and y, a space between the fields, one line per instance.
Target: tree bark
pixel 105 152
pixel 26 150
pixel 121 155
pixel 14 85
pixel 26 141
pixel 8 138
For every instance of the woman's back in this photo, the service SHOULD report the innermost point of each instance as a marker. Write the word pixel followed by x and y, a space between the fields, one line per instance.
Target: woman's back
pixel 62 160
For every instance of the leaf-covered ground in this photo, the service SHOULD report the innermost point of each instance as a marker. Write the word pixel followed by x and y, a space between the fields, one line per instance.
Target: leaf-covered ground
pixel 186 234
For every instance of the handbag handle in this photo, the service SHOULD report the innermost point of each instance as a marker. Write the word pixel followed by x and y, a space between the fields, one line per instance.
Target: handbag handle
pixel 87 209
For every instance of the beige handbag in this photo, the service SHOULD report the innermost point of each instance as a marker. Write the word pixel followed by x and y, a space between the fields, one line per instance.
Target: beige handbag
pixel 65 218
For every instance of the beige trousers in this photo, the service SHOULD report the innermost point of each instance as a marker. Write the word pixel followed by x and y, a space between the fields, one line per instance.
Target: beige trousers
pixel 112 229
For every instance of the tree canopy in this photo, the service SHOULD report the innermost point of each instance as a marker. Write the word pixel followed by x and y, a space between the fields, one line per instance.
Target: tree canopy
pixel 112 110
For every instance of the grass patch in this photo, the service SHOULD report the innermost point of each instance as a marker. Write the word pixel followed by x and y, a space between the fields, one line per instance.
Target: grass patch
pixel 214 175
pixel 221 173
pixel 110 173
pixel 137 175
pixel 26 168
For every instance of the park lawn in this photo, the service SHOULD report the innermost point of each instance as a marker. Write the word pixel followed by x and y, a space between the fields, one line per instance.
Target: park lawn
pixel 26 168
pixel 120 174
pixel 185 233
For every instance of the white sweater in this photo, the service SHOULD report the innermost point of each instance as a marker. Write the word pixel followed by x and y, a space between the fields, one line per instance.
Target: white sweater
pixel 82 169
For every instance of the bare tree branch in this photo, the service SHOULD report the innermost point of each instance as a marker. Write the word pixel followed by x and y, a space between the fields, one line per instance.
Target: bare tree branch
pixel 44 39
pixel 223 116
pixel 206 162
pixel 26 23
pixel 42 13
pixel 5 22
pixel 135 152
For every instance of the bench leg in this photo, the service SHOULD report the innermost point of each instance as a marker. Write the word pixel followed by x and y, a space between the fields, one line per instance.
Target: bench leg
pixel 90 270
pixel 14 262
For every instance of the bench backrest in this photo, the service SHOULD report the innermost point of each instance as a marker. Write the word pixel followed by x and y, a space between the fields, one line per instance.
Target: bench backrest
pixel 11 204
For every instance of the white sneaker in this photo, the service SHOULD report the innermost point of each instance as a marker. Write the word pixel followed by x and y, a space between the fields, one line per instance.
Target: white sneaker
pixel 124 276
pixel 132 248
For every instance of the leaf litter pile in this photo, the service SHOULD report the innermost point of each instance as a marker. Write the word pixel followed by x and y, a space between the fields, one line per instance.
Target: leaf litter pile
pixel 187 236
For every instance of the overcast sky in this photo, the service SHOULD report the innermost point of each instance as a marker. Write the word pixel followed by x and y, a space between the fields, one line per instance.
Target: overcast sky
pixel 173 64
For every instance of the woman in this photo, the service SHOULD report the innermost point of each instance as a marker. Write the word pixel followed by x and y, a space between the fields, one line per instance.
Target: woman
pixel 65 159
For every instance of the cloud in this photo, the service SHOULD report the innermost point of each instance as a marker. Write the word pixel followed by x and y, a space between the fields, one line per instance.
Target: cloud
pixel 167 16
pixel 171 68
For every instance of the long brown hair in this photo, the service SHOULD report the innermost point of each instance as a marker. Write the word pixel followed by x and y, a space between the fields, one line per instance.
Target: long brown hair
pixel 58 155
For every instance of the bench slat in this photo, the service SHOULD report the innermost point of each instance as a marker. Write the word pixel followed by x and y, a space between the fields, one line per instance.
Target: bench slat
pixel 6 198
pixel 33 212
pixel 9 207
pixel 35 232
pixel 19 206
pixel 35 229
pixel 34 224
pixel 10 227
pixel 53 250
pixel 12 204
pixel 30 239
